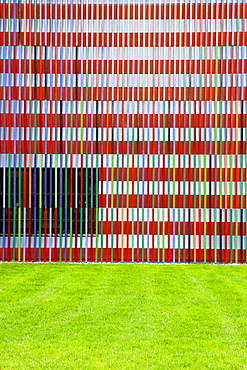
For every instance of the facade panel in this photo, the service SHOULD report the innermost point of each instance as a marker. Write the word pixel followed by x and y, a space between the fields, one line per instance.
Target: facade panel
pixel 123 131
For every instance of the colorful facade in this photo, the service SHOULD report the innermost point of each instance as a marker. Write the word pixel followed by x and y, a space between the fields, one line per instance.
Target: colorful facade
pixel 123 131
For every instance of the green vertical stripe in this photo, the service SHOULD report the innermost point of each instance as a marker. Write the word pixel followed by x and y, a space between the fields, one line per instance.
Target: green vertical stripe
pixel 19 209
pixel 40 207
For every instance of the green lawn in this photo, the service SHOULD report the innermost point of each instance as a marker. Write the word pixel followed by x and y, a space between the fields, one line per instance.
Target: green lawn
pixel 70 316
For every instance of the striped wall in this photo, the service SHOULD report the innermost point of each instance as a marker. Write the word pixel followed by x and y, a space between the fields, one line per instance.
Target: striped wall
pixel 123 131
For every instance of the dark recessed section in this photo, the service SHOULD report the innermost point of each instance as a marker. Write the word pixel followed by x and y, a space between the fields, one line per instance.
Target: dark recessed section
pixel 58 201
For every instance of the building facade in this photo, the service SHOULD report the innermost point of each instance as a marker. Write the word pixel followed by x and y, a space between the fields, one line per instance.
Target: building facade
pixel 123 131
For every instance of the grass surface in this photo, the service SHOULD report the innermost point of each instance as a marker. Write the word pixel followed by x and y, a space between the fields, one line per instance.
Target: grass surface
pixel 68 316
